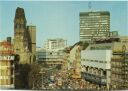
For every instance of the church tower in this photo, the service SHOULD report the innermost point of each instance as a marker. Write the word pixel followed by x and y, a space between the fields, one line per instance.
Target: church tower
pixel 21 46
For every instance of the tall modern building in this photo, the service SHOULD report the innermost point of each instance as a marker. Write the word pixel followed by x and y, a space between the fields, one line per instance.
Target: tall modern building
pixel 24 37
pixel 94 25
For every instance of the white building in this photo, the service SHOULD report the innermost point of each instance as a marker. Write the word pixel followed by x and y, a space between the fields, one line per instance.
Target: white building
pixel 97 58
pixel 95 61
pixel 55 44
pixel 50 57
pixel 105 64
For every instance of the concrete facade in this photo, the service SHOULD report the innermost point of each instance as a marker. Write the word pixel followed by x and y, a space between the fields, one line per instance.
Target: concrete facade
pixel 106 64
pixel 95 61
pixel 97 58
pixel 55 44
pixel 52 52
pixel 94 25
pixel 119 66
pixel 51 58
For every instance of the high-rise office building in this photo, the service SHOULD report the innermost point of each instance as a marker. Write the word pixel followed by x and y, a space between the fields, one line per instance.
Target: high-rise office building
pixel 94 25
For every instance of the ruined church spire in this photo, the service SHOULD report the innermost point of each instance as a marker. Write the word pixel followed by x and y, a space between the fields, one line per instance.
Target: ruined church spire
pixel 20 16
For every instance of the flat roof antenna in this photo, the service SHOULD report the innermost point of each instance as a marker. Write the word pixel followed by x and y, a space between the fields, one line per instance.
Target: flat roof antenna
pixel 90 6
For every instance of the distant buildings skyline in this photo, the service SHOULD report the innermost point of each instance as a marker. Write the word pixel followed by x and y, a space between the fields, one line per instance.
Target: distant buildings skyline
pixel 60 19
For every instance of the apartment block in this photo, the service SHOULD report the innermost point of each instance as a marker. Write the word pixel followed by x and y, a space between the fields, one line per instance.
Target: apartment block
pixel 119 66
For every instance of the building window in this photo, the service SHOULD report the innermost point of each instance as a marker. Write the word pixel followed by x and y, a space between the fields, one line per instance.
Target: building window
pixel 11 81
pixel 104 73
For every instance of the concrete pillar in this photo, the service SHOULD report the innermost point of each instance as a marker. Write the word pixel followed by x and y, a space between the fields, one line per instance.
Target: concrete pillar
pixel 101 72
pixel 97 73
pixel 92 70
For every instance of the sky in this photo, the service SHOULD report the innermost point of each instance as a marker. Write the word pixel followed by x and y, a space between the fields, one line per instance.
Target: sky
pixel 60 19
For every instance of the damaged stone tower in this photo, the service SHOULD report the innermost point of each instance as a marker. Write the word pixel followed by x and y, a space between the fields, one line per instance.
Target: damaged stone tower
pixel 24 38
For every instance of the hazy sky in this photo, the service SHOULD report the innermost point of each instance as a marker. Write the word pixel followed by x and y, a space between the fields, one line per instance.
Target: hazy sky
pixel 60 19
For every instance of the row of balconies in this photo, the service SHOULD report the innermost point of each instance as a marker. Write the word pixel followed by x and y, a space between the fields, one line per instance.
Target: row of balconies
pixel 119 65
pixel 116 82
pixel 116 66
pixel 117 72
pixel 118 52
pixel 117 57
